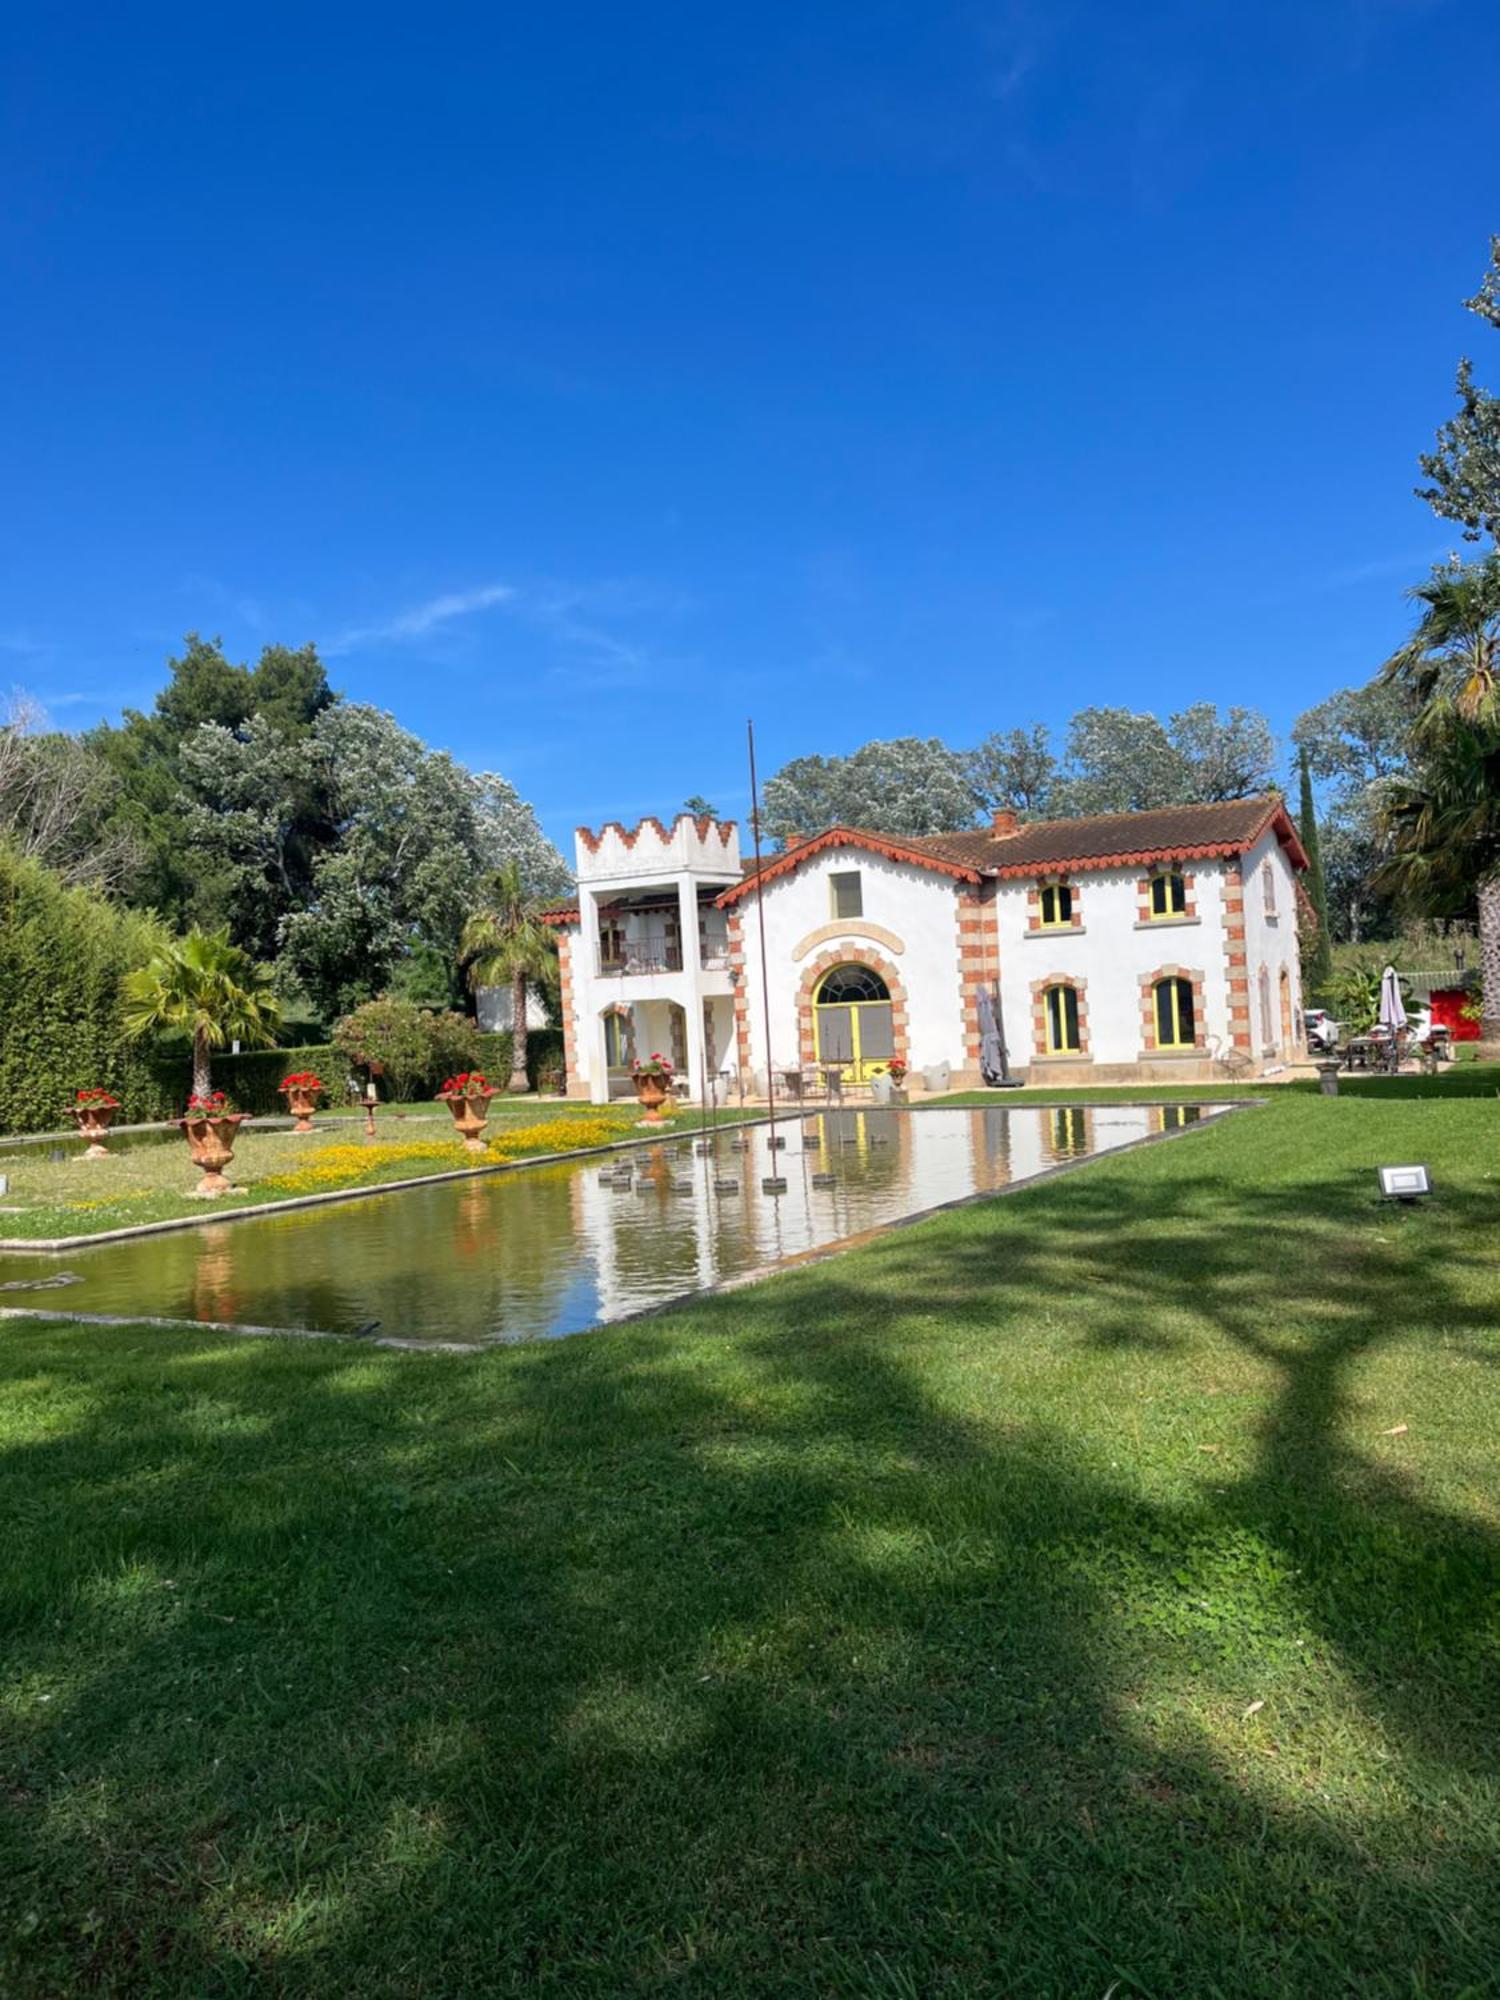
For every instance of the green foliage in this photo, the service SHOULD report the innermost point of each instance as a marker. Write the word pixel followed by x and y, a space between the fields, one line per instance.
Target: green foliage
pixel 389 1036
pixel 414 1047
pixel 63 954
pixel 452 1044
pixel 505 943
pixel 910 785
pixel 203 988
pixel 1317 944
pixel 1354 987
pixel 1465 468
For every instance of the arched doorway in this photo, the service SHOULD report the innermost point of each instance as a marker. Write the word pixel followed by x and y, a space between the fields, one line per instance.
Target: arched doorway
pixel 1288 1023
pixel 852 1021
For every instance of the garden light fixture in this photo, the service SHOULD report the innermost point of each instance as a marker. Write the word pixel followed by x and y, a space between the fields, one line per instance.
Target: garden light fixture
pixel 1404 1183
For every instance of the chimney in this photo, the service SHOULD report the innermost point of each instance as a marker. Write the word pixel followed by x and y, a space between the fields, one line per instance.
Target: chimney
pixel 1004 821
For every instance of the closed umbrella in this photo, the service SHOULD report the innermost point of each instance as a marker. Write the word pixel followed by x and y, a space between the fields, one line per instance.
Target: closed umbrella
pixel 1392 1009
pixel 993 1064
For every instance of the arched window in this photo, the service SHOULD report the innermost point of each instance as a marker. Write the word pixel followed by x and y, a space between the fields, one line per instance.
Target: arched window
pixel 851 983
pixel 1056 905
pixel 1173 1002
pixel 1061 1003
pixel 1169 894
pixel 1268 888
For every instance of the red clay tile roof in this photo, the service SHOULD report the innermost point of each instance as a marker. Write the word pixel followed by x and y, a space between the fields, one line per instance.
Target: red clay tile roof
pixel 1104 840
pixel 1114 840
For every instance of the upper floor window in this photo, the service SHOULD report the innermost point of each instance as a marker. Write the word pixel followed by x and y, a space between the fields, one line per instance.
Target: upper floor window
pixel 1056 905
pixel 1172 1001
pixel 845 894
pixel 1062 1020
pixel 1268 887
pixel 1169 894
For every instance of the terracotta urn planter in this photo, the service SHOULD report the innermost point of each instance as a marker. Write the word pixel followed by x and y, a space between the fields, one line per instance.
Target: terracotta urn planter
pixel 93 1118
pixel 468 1098
pixel 651 1093
pixel 302 1093
pixel 211 1138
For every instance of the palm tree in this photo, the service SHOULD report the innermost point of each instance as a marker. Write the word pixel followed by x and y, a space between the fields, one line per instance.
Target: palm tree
pixel 1443 815
pixel 506 942
pixel 204 987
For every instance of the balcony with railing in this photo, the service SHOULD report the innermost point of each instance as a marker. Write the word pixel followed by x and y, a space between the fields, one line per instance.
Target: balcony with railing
pixel 619 956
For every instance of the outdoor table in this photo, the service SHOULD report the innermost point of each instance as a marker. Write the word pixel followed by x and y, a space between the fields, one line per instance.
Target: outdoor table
pixel 791 1084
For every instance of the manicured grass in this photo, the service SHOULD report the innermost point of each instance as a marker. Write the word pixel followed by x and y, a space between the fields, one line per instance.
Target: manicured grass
pixel 153 1182
pixel 1093 1591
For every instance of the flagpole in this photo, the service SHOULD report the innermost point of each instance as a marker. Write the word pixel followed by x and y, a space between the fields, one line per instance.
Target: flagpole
pixel 765 974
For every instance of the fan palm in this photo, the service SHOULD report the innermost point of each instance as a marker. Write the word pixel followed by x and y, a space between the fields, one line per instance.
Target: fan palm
pixel 1443 815
pixel 505 942
pixel 206 988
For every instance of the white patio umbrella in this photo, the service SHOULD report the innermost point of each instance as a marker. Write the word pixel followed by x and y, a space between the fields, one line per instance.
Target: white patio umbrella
pixel 1392 1011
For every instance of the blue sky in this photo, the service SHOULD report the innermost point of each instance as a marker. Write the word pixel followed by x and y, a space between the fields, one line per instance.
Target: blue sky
pixel 583 378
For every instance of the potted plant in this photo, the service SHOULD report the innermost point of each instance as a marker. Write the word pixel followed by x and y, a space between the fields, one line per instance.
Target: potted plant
pixel 895 1069
pixel 653 1086
pixel 467 1096
pixel 94 1111
pixel 886 1082
pixel 211 1126
pixel 302 1090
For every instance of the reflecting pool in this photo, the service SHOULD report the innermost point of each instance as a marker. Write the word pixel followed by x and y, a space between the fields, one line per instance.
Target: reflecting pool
pixel 553 1249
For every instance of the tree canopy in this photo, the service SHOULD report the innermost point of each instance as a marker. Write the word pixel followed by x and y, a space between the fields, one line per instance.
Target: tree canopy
pixel 1464 469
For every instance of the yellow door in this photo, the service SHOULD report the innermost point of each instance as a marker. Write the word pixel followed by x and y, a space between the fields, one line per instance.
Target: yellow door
pixel 853 1024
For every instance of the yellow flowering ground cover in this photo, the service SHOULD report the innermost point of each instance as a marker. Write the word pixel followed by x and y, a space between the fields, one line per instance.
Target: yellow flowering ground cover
pixel 55 1192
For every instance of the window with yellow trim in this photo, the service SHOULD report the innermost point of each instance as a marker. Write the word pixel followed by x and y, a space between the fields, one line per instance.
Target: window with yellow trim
pixel 1061 1006
pixel 1172 1000
pixel 1169 894
pixel 1056 906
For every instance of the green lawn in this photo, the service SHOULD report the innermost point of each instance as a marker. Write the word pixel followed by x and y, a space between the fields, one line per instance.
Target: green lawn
pixel 1093 1591
pixel 72 1196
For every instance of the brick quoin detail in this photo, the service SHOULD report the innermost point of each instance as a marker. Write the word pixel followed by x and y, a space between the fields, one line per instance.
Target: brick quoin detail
pixel 978 959
pixel 812 979
pixel 1189 890
pixel 565 995
pixel 1034 904
pixel 741 1003
pixel 1236 961
pixel 1148 1004
pixel 1039 1014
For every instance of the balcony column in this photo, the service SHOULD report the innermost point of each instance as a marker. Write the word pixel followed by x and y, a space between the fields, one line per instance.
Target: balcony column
pixel 692 965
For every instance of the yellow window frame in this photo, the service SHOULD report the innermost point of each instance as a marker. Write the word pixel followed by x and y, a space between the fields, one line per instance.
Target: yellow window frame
pixel 1176 1039
pixel 1055 1008
pixel 1167 881
pixel 1056 891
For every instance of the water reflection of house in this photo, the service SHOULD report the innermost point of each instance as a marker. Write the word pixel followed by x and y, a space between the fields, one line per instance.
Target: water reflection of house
pixel 1126 946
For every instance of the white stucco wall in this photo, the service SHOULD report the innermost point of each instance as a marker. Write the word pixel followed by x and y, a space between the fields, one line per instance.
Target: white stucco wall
pixel 916 905
pixel 1110 951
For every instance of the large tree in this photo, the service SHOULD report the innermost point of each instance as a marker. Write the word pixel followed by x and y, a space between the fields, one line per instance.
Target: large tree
pixel 1355 743
pixel 1014 768
pixel 1319 947
pixel 908 785
pixel 199 879
pixel 58 801
pixel 1119 760
pixel 1444 814
pixel 1465 467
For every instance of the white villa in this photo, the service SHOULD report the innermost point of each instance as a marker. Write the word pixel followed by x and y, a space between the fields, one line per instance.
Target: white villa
pixel 1157 946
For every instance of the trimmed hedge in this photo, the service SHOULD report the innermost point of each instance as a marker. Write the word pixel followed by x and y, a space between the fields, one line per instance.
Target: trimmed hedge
pixel 63 953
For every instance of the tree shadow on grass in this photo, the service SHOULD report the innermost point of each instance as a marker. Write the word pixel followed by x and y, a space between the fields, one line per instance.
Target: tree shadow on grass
pixel 807 1642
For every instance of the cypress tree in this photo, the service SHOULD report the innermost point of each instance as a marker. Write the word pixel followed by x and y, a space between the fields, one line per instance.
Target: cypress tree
pixel 1319 966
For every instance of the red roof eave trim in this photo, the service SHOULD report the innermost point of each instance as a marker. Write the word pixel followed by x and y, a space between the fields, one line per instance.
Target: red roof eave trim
pixel 847 836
